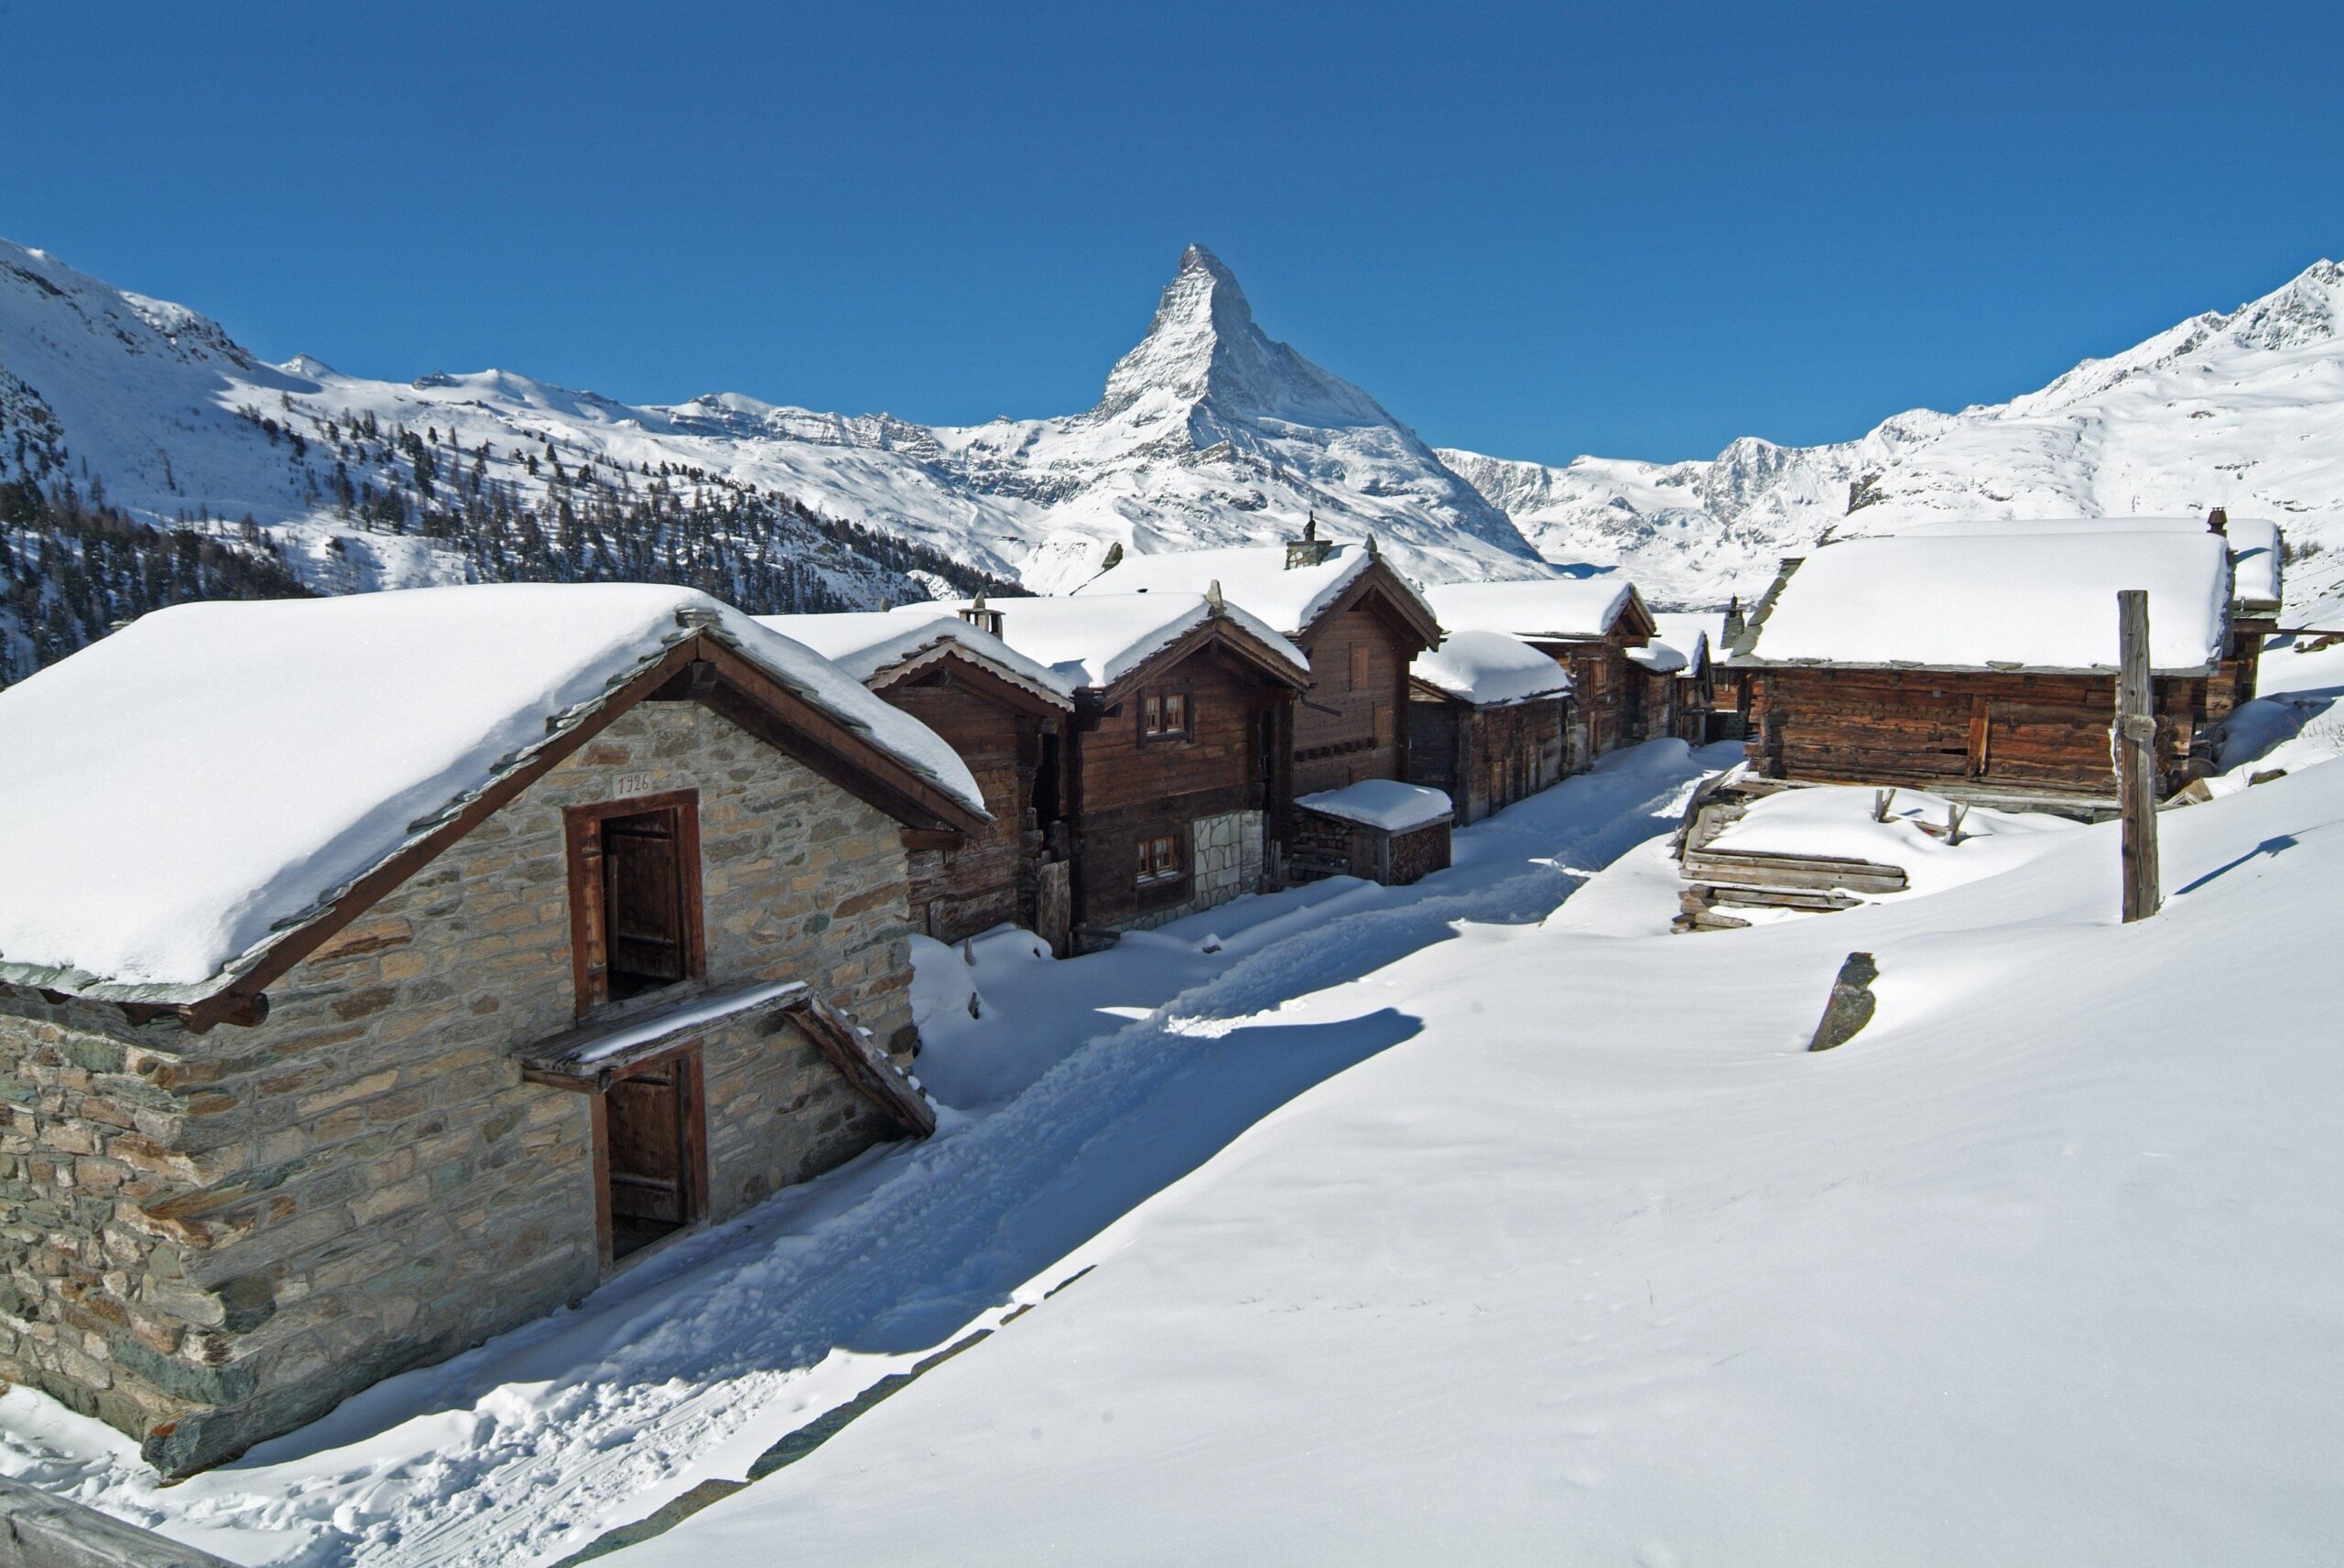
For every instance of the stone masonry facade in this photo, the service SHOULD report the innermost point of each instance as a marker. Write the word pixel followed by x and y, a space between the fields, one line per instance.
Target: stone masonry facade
pixel 208 1239
pixel 1225 858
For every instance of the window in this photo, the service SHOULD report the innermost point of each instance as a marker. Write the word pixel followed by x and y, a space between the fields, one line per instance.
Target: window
pixel 1160 860
pixel 1359 667
pixel 634 900
pixel 1163 715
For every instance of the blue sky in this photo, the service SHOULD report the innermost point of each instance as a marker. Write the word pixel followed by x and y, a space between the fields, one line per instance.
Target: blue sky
pixel 1635 231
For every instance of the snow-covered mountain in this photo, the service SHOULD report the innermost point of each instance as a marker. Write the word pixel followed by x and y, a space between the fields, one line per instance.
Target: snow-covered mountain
pixel 1208 433
pixel 2243 410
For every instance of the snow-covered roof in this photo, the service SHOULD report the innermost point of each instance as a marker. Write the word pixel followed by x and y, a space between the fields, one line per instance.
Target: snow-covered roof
pixel 218 772
pixel 1561 609
pixel 1095 640
pixel 2255 543
pixel 868 643
pixel 2041 600
pixel 1489 669
pixel 1385 804
pixel 1658 657
pixel 1254 575
pixel 1692 632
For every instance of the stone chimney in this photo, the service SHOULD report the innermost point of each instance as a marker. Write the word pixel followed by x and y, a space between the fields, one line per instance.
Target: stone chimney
pixel 2218 521
pixel 1733 621
pixel 1310 549
pixel 983 620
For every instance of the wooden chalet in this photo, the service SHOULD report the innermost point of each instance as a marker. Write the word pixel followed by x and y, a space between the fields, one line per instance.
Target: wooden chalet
pixel 1981 660
pixel 1489 722
pixel 1589 625
pixel 1704 704
pixel 480 939
pixel 1006 717
pixel 1177 753
pixel 1357 620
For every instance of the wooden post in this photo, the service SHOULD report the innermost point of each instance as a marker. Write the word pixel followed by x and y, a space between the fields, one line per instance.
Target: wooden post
pixel 2134 740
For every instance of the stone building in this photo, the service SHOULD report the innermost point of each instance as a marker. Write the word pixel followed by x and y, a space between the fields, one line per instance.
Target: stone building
pixel 379 972
pixel 1006 715
pixel 1176 757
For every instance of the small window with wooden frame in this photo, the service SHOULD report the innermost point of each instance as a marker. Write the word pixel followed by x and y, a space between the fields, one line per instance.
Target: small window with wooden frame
pixel 1165 715
pixel 1159 860
pixel 634 896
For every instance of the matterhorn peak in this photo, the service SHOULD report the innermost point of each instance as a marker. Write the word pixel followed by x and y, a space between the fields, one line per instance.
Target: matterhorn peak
pixel 1204 352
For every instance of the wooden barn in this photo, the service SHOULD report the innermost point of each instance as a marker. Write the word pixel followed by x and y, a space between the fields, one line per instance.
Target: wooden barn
pixel 1357 620
pixel 2258 552
pixel 1177 756
pixel 1489 722
pixel 379 972
pixel 1006 717
pixel 1589 625
pixel 1980 661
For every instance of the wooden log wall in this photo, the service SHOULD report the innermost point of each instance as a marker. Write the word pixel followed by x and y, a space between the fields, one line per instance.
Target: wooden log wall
pixel 989 881
pixel 1937 729
pixel 1347 730
pixel 1126 789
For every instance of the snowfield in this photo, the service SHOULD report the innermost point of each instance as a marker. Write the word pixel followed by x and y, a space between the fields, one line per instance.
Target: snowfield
pixel 1460 1223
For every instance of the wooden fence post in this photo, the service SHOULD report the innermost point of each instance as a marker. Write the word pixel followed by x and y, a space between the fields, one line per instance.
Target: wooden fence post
pixel 2134 740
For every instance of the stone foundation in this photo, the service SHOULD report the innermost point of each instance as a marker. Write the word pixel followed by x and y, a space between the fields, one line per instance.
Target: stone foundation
pixel 1225 858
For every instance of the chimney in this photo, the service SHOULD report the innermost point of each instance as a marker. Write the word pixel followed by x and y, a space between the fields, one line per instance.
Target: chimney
pixel 1734 621
pixel 1214 603
pixel 1310 549
pixel 2218 521
pixel 983 620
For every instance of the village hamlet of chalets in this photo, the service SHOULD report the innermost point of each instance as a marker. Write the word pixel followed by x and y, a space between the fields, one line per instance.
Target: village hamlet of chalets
pixel 598 969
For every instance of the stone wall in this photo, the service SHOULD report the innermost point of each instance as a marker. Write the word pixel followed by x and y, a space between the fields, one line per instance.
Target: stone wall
pixel 206 1239
pixel 1225 858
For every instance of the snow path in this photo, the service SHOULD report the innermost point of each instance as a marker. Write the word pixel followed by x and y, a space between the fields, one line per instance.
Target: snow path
pixel 533 1446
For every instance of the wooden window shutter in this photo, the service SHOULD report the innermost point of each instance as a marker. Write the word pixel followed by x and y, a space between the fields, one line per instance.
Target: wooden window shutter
pixel 643 896
pixel 1359 667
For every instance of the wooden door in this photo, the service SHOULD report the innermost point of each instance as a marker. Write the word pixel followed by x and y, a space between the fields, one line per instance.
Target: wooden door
pixel 653 1160
pixel 643 897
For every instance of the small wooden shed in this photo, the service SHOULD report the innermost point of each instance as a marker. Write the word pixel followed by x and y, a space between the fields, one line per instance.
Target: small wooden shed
pixel 1379 830
pixel 1980 661
pixel 1489 722
pixel 1587 624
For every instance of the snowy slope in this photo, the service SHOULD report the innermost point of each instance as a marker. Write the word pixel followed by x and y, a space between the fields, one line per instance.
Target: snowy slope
pixel 1586 1260
pixel 1208 433
pixel 2243 410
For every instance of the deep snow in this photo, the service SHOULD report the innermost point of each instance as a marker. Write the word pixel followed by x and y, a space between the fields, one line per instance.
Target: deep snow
pixel 1585 1259
pixel 1087 1088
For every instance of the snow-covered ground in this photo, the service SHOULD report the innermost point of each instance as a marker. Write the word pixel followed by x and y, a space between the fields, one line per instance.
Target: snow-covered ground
pixel 1460 1223
pixel 1084 1091
pixel 1584 1260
